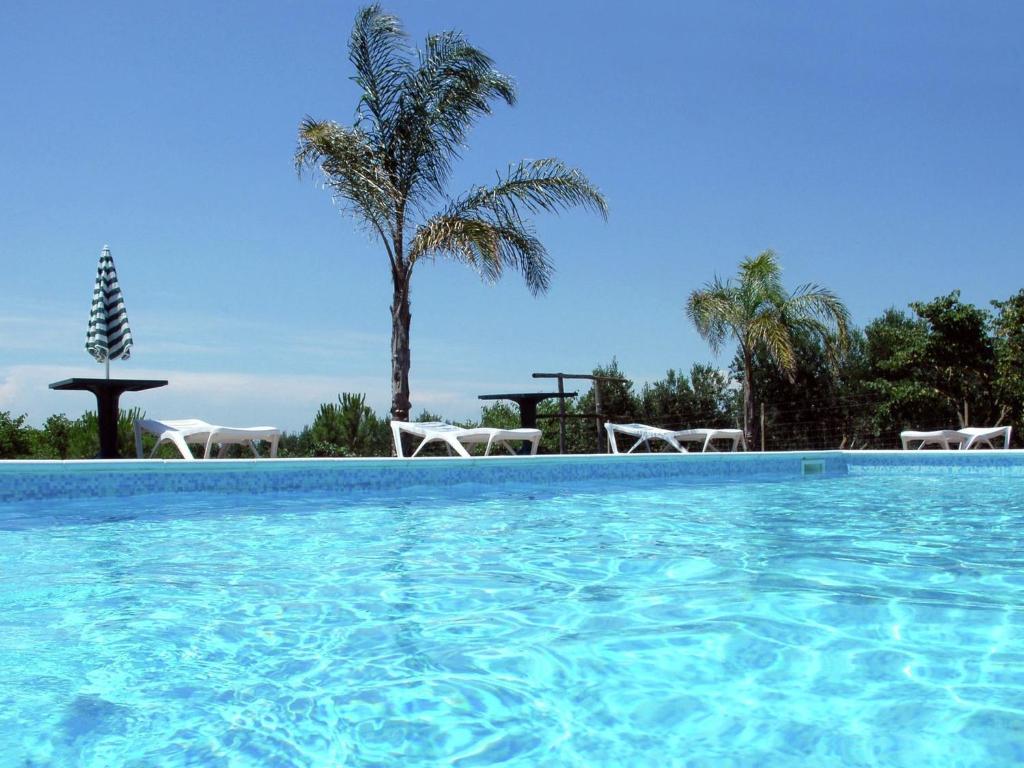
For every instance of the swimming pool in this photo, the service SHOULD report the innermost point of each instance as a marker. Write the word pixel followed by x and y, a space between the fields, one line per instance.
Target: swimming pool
pixel 863 618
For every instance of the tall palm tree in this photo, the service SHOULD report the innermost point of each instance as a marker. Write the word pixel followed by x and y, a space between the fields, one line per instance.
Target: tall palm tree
pixel 757 312
pixel 390 169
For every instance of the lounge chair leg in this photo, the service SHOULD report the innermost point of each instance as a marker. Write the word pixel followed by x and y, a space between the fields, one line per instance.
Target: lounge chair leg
pixel 396 433
pixel 418 447
pixel 613 446
pixel 456 445
pixel 138 440
pixel 179 441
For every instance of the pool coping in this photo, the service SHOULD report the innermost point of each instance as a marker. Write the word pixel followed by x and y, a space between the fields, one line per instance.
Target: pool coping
pixel 44 479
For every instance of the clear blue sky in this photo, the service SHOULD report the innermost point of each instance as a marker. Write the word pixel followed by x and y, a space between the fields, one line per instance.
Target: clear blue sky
pixel 876 146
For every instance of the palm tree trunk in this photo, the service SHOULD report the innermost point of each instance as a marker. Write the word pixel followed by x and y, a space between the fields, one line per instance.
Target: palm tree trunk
pixel 401 318
pixel 749 426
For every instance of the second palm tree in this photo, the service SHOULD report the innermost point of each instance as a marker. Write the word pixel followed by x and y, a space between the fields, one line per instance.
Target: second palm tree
pixel 759 313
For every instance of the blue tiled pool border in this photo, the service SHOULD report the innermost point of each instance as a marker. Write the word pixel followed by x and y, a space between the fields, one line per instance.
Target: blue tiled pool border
pixel 934 462
pixel 20 480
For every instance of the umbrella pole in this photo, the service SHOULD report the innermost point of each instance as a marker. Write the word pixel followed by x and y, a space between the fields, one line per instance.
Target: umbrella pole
pixel 107 361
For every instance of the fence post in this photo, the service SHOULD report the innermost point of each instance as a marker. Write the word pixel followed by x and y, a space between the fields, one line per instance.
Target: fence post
pixel 561 414
pixel 762 427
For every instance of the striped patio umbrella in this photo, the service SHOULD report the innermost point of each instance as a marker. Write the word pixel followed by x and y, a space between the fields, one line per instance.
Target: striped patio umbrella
pixel 109 336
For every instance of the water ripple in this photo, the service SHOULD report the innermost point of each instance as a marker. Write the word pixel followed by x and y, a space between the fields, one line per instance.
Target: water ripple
pixel 858 621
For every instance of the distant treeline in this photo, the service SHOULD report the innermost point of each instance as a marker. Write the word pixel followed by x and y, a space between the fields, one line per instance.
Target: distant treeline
pixel 943 363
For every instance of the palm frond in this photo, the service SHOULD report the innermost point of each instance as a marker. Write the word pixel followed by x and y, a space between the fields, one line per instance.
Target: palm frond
pixel 377 49
pixel 760 283
pixel 349 167
pixel 485 228
pixel 762 269
pixel 814 301
pixel 453 84
pixel 770 331
pixel 486 245
pixel 712 311
pixel 821 313
pixel 546 185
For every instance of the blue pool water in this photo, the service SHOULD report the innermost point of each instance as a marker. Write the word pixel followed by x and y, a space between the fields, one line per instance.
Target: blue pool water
pixel 852 621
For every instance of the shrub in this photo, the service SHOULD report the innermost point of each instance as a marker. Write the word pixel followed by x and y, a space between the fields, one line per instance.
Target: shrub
pixel 57 436
pixel 348 428
pixel 16 439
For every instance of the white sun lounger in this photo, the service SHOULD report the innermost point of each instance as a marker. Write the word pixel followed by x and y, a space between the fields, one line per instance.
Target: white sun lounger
pixel 644 433
pixel 181 432
pixel 705 436
pixel 956 439
pixel 943 438
pixel 457 438
pixel 985 435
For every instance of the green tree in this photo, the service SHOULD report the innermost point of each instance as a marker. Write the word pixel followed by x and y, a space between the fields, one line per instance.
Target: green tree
pixel 958 357
pixel 857 427
pixel 57 435
pixel 84 440
pixel 702 399
pixel 348 428
pixel 759 314
pixel 666 402
pixel 1008 340
pixel 16 439
pixel 820 405
pixel 392 166
pixel 896 377
pixel 714 402
pixel 500 416
pixel 584 432
pixel 618 403
pixel 295 444
pixel 426 415
pixel 580 432
pixel 939 367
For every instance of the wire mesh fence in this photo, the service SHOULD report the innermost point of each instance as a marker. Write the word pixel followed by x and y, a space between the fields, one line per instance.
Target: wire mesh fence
pixel 850 423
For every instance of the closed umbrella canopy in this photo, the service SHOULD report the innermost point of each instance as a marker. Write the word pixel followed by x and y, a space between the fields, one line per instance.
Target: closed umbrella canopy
pixel 109 336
